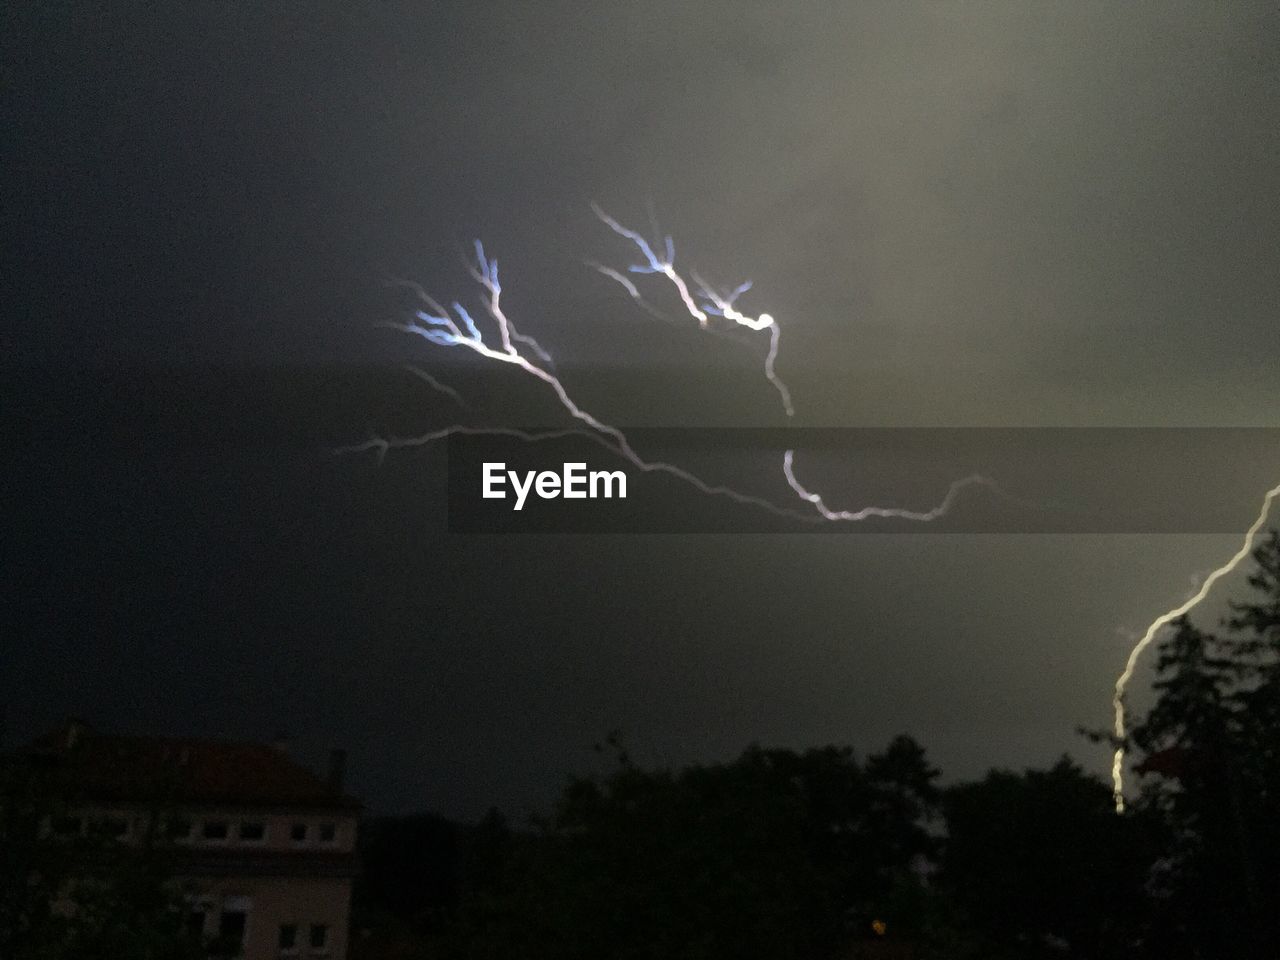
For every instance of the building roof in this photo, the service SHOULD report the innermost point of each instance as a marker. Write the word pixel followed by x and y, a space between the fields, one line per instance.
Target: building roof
pixel 103 767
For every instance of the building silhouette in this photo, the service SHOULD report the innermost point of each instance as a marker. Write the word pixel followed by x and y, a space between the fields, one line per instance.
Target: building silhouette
pixel 263 848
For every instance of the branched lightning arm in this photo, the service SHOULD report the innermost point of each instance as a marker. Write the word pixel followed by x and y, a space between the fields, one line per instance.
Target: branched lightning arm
pixel 456 327
pixel 713 302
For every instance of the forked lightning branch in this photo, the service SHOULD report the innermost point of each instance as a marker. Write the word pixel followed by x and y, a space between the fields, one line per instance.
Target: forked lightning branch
pixel 573 482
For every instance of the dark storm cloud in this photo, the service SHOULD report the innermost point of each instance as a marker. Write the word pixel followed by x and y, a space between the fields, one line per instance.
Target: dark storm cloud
pixel 963 214
pixel 1073 191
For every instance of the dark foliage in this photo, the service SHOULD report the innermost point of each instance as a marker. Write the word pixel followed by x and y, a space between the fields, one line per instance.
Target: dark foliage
pixel 1212 765
pixel 81 897
pixel 815 854
pixel 1040 865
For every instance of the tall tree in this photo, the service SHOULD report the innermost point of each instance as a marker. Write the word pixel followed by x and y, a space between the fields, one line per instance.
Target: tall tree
pixel 1212 772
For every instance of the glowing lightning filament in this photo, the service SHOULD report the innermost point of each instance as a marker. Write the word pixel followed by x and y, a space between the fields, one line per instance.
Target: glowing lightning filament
pixel 455 327
pixel 1162 621
pixel 713 303
pixel 654 263
pixel 865 513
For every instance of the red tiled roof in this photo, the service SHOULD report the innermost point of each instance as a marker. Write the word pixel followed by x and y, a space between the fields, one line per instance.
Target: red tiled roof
pixel 149 769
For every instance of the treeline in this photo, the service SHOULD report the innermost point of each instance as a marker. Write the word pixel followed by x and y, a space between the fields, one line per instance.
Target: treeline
pixel 813 854
pixel 822 853
pixel 778 854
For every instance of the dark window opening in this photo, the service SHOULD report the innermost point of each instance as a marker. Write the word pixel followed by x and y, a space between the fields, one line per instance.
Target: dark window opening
pixel 288 936
pixel 215 830
pixel 328 832
pixel 298 832
pixel 231 927
pixel 319 936
pixel 252 830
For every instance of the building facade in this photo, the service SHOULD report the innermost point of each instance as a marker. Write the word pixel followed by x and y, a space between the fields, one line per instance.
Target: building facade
pixel 263 848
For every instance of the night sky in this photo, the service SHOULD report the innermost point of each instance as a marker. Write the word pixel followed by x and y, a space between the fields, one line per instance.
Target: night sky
pixel 962 214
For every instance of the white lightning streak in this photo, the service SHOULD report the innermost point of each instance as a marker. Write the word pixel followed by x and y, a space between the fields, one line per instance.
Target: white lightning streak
pixel 1159 623
pixel 486 273
pixel 444 328
pixel 653 263
pixel 435 384
pixel 456 328
pixel 714 303
pixel 626 283
pixel 924 516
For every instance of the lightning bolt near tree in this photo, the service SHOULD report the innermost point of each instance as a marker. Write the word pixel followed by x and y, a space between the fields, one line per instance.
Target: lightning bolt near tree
pixel 1159 623
pixel 457 328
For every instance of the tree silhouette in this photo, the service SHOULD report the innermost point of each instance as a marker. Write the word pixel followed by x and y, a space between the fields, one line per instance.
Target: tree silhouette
pixel 1212 773
pixel 779 853
pixel 1040 865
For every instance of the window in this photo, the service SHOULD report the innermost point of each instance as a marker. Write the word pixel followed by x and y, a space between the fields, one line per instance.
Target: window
pixel 253 830
pixel 214 830
pixel 232 922
pixel 231 928
pixel 298 832
pixel 328 832
pixel 178 828
pixel 319 936
pixel 199 910
pixel 288 937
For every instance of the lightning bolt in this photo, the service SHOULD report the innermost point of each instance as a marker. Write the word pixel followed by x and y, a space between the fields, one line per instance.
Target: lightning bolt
pixel 1158 624
pixel 627 284
pixel 455 327
pixel 714 303
pixel 865 513
pixel 436 385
